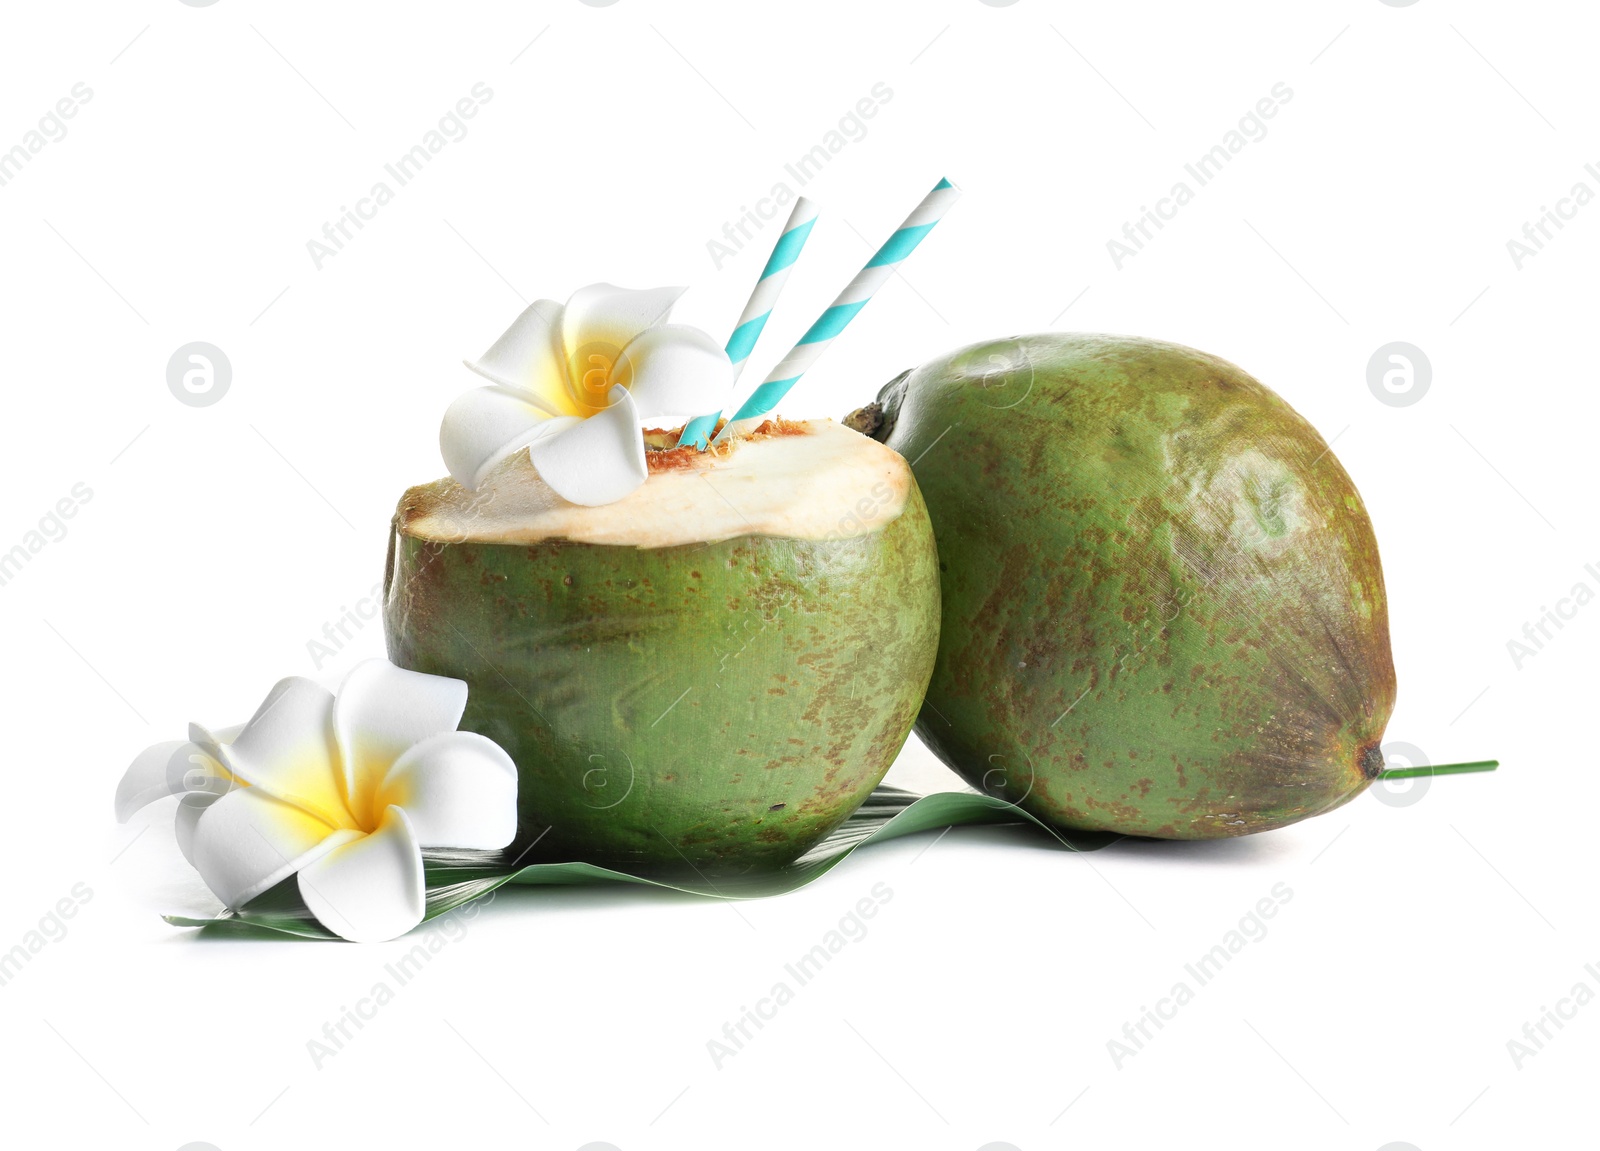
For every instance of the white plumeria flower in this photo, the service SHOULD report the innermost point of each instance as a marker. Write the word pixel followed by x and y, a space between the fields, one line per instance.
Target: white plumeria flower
pixel 343 791
pixel 573 385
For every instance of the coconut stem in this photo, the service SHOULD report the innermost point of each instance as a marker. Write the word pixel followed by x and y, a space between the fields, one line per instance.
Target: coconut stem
pixel 866 420
pixel 1439 769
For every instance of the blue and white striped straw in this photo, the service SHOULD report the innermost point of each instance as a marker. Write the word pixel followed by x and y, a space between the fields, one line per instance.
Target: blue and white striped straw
pixel 754 317
pixel 844 309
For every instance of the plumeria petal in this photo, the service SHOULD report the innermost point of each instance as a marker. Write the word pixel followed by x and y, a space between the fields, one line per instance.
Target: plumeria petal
pixel 598 323
pixel 191 806
pixel 287 749
pixel 203 768
pixel 210 741
pixel 530 360
pixel 382 710
pixel 674 371
pixel 205 781
pixel 151 776
pixel 458 789
pixel 598 460
pixel 247 841
pixel 486 425
pixel 369 889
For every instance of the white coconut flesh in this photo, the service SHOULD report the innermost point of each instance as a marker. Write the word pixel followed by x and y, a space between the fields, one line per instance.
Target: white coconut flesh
pixel 813 480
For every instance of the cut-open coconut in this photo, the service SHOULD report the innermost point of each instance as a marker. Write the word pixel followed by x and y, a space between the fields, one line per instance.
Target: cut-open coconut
pixel 713 671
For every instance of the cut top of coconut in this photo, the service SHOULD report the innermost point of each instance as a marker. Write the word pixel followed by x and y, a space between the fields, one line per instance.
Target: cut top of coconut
pixel 812 479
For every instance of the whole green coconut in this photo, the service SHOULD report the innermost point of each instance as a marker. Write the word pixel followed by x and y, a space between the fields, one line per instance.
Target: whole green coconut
pixel 1163 611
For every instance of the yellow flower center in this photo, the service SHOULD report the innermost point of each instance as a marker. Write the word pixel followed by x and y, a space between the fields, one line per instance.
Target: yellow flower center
pixel 593 387
pixel 591 369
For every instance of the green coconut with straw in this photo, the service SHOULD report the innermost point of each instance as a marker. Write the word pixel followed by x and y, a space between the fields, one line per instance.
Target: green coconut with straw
pixel 712 672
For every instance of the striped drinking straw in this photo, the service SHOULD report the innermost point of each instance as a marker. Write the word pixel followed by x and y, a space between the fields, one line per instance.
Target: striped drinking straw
pixel 844 309
pixel 743 341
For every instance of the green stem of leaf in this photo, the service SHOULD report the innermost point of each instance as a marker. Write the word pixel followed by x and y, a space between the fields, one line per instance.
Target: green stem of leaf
pixel 1439 769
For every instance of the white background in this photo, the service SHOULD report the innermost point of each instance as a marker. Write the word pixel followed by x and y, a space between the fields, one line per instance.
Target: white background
pixel 619 140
